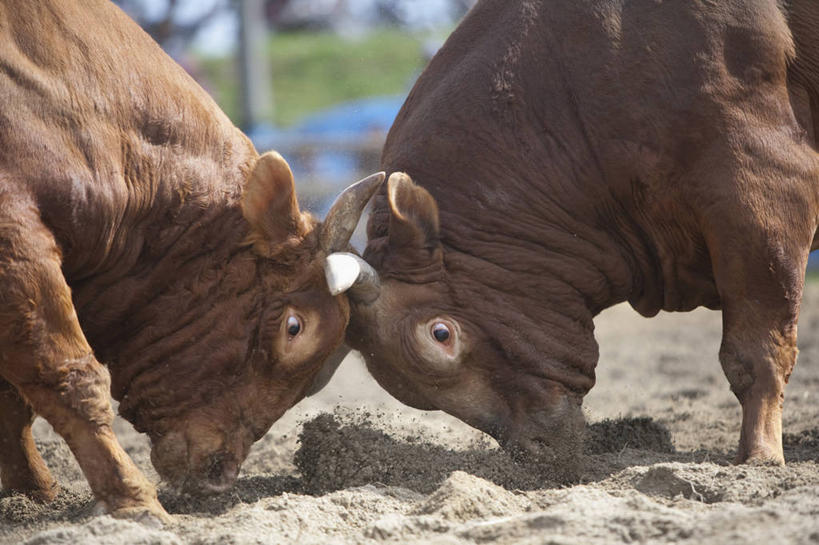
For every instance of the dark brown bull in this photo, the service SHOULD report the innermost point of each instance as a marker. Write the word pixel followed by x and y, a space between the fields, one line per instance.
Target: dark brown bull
pixel 139 227
pixel 573 154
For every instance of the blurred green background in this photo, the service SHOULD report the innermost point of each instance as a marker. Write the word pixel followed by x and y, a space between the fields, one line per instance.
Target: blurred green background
pixel 318 52
pixel 320 81
pixel 315 70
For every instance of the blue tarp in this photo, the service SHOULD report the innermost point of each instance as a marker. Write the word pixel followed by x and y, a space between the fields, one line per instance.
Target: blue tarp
pixel 359 116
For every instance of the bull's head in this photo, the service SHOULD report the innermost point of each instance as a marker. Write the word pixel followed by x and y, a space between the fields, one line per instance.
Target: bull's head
pixel 263 331
pixel 440 328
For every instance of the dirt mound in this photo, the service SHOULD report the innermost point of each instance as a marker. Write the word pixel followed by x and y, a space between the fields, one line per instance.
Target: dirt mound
pixel 713 483
pixel 246 490
pixel 462 497
pixel 71 503
pixel 335 455
pixel 637 433
pixel 106 531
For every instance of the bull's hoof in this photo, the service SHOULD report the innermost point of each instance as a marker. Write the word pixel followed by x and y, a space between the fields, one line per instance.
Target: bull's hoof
pixel 43 494
pixel 760 460
pixel 760 457
pixel 153 516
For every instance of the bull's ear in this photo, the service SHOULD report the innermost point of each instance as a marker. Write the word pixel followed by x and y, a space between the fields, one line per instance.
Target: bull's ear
pixel 269 200
pixel 413 214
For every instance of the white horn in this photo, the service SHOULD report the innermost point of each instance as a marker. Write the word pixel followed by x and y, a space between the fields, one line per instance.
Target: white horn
pixel 345 271
pixel 342 271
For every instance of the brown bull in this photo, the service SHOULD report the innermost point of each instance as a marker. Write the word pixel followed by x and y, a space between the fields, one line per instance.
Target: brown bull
pixel 139 227
pixel 563 156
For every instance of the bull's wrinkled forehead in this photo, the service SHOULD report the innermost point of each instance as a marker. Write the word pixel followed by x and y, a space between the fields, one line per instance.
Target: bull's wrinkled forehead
pixel 414 267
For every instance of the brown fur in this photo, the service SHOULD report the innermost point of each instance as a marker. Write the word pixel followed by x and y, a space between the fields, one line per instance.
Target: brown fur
pixel 136 230
pixel 584 153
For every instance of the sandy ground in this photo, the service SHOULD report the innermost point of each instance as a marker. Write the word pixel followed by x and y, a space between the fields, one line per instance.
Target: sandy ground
pixel 664 426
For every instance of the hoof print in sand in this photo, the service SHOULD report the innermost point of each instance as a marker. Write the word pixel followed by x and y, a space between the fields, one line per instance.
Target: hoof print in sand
pixel 664 482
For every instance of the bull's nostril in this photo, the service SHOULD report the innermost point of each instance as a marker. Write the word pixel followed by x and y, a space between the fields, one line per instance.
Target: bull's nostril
pixel 216 469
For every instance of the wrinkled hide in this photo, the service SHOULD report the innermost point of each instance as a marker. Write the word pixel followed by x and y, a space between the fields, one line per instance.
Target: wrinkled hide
pixel 556 158
pixel 139 228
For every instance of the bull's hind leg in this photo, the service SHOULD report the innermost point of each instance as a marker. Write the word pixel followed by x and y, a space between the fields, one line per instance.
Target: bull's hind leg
pixel 21 467
pixel 46 357
pixel 759 233
pixel 758 353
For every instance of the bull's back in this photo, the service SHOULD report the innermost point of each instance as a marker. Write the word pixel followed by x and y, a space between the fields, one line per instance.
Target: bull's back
pixel 598 118
pixel 108 136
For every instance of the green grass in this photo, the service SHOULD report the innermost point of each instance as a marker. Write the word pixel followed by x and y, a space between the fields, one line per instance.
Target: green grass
pixel 312 71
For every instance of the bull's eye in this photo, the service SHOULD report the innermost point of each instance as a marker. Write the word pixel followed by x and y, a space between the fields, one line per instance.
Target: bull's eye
pixel 294 326
pixel 441 332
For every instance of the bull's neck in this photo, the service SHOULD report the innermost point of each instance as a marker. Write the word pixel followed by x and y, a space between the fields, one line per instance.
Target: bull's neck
pixel 529 238
pixel 545 281
pixel 122 311
pixel 578 267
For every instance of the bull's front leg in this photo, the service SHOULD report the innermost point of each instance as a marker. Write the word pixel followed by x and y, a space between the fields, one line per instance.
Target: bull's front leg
pixel 72 394
pixel 45 356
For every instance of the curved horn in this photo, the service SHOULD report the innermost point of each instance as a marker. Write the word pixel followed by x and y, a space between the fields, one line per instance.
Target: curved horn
pixel 348 272
pixel 343 216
